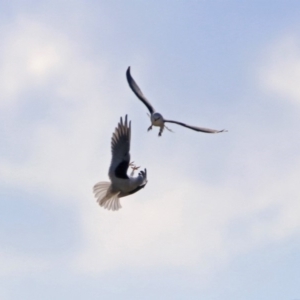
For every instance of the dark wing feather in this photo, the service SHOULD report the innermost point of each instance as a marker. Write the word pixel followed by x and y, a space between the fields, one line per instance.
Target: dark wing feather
pixel 138 91
pixel 120 148
pixel 202 129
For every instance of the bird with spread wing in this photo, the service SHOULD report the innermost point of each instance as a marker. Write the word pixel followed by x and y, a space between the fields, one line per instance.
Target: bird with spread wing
pixel 108 194
pixel 156 118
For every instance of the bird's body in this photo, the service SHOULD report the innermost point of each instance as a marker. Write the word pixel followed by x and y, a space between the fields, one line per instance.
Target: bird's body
pixel 121 185
pixel 156 118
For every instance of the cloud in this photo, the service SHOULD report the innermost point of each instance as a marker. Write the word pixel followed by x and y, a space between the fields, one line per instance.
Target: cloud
pixel 177 220
pixel 189 225
pixel 61 145
pixel 280 71
pixel 60 139
pixel 13 264
pixel 30 56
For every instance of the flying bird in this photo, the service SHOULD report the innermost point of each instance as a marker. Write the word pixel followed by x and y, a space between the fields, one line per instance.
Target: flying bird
pixel 156 118
pixel 108 194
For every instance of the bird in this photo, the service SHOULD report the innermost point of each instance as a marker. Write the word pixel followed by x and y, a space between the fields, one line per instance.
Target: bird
pixel 108 194
pixel 156 118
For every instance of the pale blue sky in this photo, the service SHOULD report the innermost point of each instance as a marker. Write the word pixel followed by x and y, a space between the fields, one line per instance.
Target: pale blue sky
pixel 220 216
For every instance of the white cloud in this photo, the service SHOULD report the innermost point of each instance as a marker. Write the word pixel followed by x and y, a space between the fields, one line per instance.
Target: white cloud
pixel 174 221
pixel 280 73
pixel 61 147
pixel 188 226
pixel 31 54
pixel 13 264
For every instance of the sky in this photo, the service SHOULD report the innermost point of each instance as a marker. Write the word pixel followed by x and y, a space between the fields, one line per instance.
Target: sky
pixel 220 215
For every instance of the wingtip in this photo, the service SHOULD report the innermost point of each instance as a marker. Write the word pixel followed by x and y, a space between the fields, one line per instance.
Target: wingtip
pixel 124 125
pixel 128 70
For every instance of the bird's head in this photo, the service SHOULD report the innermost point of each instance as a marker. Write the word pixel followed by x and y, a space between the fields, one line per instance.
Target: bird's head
pixel 156 118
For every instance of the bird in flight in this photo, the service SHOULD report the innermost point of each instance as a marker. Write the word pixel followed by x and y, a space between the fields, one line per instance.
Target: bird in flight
pixel 156 118
pixel 108 194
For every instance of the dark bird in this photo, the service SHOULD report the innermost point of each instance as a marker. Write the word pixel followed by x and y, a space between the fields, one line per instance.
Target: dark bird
pixel 156 118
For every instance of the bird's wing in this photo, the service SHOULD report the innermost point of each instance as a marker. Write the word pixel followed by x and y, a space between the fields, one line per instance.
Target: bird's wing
pixel 138 91
pixel 120 147
pixel 202 129
pixel 143 177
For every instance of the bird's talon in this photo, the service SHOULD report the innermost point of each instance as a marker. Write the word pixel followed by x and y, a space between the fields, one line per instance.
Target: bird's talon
pixel 133 167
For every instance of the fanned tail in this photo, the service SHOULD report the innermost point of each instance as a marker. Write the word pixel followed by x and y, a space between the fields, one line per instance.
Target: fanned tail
pixel 105 197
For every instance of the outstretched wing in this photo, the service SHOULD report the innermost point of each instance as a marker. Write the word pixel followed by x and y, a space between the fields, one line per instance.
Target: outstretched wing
pixel 120 147
pixel 202 129
pixel 138 91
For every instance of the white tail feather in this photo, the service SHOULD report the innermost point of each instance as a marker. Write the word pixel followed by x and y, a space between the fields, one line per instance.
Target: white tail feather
pixel 105 198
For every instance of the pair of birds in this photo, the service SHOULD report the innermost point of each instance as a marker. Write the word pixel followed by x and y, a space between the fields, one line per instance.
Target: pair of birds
pixel 108 194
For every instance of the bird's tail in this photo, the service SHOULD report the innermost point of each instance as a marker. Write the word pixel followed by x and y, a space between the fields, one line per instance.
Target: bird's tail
pixel 105 197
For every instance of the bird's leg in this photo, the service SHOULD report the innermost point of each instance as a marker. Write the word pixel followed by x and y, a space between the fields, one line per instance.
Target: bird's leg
pixel 133 167
pixel 168 128
pixel 161 130
pixel 150 128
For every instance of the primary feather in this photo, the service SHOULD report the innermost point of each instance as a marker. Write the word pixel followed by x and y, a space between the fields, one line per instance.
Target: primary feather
pixel 135 88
